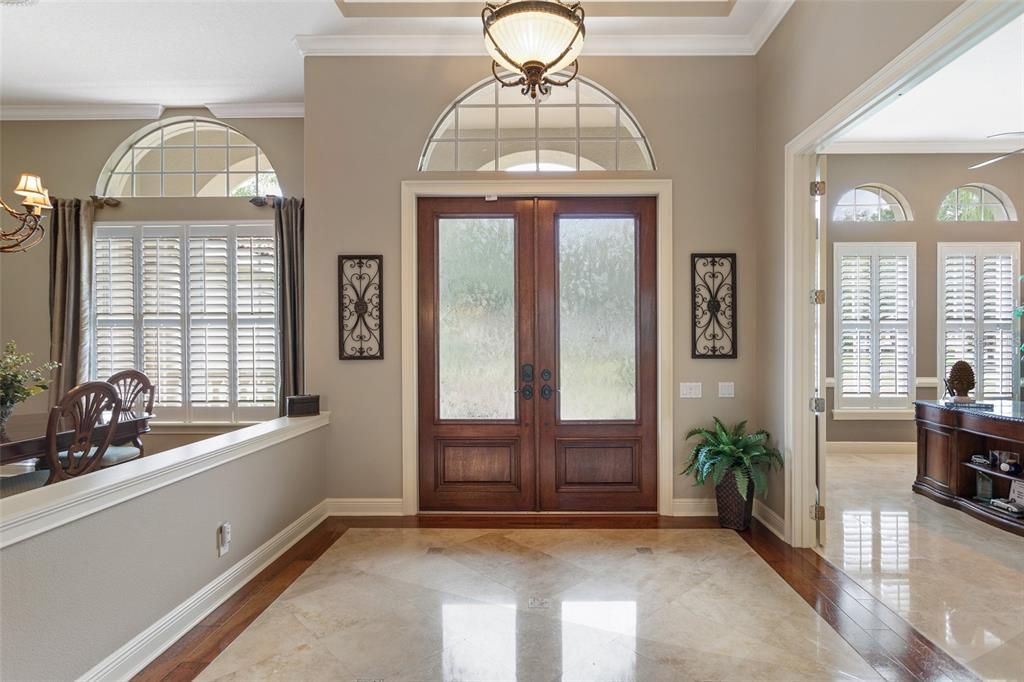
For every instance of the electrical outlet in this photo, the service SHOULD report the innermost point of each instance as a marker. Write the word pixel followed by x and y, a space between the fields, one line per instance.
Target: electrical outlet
pixel 726 389
pixel 689 389
pixel 223 539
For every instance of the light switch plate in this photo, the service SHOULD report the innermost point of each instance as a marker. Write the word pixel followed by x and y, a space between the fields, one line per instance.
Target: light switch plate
pixel 690 389
pixel 726 389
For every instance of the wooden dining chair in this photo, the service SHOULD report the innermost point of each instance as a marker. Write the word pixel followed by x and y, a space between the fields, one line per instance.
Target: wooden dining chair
pixel 80 411
pixel 136 392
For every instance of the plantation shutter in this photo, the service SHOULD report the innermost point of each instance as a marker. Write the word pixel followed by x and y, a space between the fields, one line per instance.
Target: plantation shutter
pixel 209 300
pixel 854 317
pixel 874 353
pixel 114 289
pixel 256 309
pixel 195 308
pixel 978 291
pixel 163 348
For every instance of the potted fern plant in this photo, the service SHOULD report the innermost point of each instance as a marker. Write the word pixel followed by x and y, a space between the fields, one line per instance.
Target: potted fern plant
pixel 735 461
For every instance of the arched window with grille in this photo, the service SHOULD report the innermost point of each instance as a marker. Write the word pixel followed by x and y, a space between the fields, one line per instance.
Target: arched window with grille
pixel 188 156
pixel 581 127
pixel 976 203
pixel 872 202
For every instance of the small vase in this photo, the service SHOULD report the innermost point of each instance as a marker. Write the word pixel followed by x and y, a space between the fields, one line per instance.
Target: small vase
pixel 6 410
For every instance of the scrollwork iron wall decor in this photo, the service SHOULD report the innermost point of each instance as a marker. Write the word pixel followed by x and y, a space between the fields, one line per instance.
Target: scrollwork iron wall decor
pixel 714 305
pixel 361 307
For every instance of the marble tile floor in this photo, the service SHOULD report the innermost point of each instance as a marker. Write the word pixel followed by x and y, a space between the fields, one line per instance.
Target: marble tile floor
pixel 959 581
pixel 532 604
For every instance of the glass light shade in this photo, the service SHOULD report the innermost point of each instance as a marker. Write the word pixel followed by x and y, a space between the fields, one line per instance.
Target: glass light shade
pixel 534 35
pixel 29 185
pixel 38 200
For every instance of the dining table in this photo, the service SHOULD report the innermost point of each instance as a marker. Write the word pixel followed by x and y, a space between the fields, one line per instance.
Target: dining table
pixel 25 435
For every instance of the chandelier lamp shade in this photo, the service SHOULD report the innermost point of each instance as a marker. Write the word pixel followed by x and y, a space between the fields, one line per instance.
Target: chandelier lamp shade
pixel 29 229
pixel 534 40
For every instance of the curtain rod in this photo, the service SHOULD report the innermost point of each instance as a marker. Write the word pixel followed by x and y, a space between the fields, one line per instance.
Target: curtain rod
pixel 100 202
pixel 267 200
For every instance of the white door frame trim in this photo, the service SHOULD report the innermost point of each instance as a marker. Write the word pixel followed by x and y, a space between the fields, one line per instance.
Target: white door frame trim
pixel 963 28
pixel 536 187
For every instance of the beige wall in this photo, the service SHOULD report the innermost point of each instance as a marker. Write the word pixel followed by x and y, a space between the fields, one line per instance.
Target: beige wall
pixel 923 179
pixel 364 136
pixel 69 156
pixel 75 594
pixel 820 52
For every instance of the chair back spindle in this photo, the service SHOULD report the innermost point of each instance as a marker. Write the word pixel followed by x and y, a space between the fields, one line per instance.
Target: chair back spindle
pixel 134 387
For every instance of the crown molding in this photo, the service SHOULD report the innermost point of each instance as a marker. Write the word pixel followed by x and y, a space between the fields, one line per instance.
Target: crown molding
pixel 924 147
pixel 423 45
pixel 767 22
pixel 80 112
pixel 258 109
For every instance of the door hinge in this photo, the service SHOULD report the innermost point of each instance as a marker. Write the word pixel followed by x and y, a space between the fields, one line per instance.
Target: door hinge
pixel 817 512
pixel 818 296
pixel 817 405
pixel 818 188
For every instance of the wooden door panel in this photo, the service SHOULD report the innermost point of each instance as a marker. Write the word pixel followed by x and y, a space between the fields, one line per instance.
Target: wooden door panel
pixel 469 463
pixel 598 454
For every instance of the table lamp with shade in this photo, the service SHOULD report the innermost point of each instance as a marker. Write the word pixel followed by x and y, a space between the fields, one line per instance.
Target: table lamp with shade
pixel 28 232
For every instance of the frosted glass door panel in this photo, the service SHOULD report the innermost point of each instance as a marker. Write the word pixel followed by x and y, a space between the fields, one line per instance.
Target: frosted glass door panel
pixel 597 319
pixel 476 318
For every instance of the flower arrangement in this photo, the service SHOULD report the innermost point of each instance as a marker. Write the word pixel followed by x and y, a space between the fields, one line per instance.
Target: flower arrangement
pixel 18 382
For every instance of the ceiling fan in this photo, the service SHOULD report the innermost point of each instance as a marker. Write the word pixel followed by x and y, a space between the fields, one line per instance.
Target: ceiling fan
pixel 1002 156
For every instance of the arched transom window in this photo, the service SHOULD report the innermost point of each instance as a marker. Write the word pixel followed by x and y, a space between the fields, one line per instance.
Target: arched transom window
pixel 872 203
pixel 577 128
pixel 976 203
pixel 188 157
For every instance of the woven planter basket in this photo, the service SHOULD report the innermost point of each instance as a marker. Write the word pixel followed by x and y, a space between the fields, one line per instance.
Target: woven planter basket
pixel 733 511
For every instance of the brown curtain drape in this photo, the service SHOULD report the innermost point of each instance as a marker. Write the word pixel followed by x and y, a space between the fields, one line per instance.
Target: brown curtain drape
pixel 289 231
pixel 71 228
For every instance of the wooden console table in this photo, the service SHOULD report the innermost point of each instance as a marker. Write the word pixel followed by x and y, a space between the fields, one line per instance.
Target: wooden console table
pixel 946 439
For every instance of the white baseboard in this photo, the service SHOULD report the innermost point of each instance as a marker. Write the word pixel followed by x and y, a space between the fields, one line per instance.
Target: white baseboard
pixel 364 506
pixel 703 506
pixel 772 521
pixel 151 642
pixel 871 448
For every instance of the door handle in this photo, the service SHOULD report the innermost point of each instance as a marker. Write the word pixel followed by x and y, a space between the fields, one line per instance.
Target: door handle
pixel 527 392
pixel 546 392
pixel 526 372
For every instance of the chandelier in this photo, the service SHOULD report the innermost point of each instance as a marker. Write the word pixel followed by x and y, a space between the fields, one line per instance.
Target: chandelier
pixel 30 228
pixel 534 39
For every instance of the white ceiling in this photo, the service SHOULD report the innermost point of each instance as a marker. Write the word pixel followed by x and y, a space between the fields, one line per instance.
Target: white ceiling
pixel 978 94
pixel 62 58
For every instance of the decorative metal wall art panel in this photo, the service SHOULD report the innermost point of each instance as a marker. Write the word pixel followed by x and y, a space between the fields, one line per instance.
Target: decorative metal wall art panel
pixel 361 307
pixel 714 305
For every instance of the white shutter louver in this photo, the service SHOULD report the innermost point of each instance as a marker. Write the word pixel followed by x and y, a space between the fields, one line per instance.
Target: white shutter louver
pixel 256 305
pixel 114 292
pixel 209 336
pixel 163 353
pixel 874 286
pixel 977 297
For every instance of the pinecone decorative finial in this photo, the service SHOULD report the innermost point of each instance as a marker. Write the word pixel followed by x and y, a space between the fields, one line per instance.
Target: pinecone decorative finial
pixel 960 381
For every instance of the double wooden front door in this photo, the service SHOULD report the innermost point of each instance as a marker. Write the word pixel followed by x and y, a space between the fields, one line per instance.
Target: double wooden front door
pixel 537 354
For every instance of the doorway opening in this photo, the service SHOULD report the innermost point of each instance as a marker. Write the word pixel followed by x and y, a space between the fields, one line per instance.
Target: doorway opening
pixel 900 289
pixel 537 354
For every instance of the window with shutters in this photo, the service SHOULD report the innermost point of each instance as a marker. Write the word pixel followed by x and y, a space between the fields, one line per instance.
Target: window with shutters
pixel 195 308
pixel 874 327
pixel 978 290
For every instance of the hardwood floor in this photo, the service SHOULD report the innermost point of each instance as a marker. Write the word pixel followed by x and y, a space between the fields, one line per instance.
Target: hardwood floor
pixel 887 642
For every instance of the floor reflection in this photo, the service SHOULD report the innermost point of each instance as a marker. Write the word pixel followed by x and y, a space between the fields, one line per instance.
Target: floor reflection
pixel 492 627
pixel 957 580
pixel 585 626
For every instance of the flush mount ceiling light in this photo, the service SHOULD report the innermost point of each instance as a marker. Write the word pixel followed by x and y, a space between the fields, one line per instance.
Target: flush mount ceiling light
pixel 535 39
